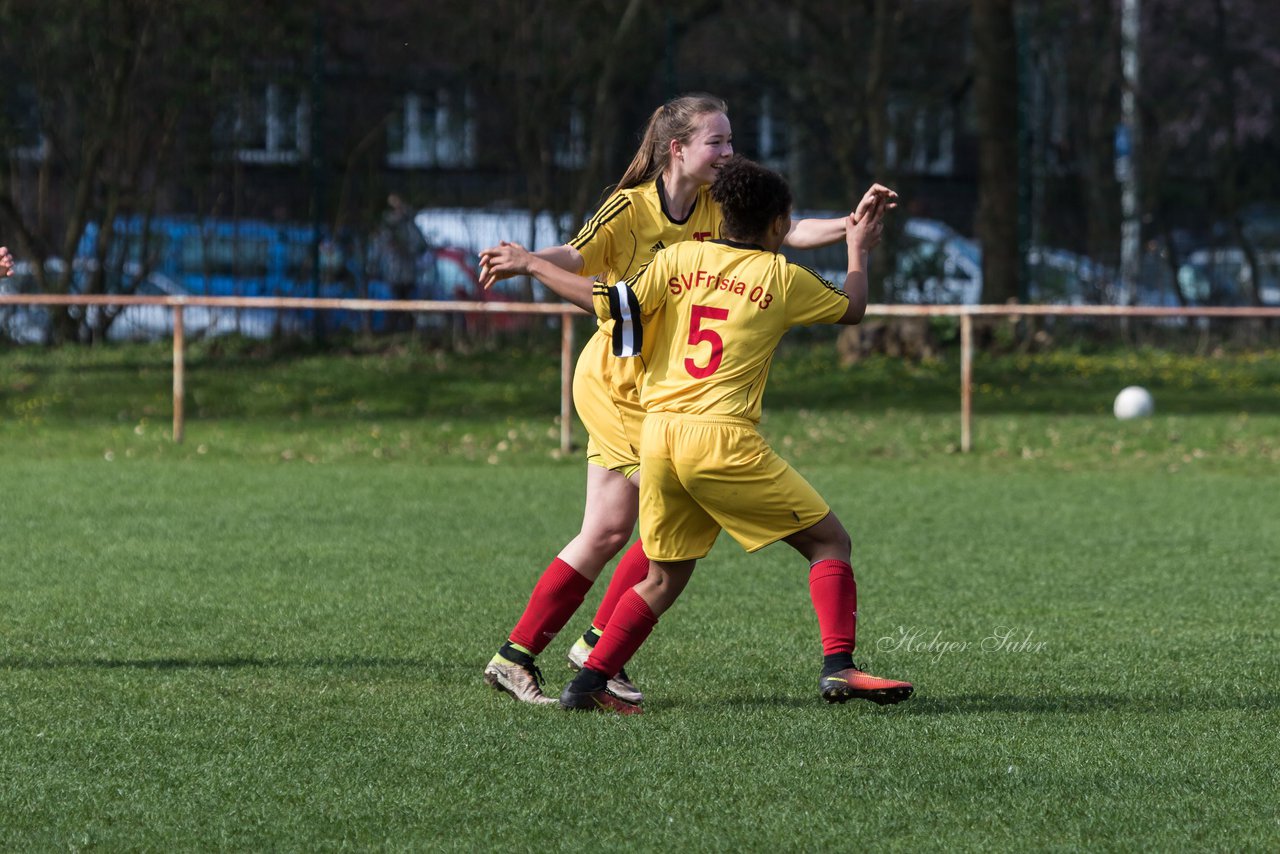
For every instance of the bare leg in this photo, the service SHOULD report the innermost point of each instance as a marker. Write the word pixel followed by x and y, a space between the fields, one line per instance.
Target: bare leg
pixel 560 590
pixel 824 540
pixel 608 520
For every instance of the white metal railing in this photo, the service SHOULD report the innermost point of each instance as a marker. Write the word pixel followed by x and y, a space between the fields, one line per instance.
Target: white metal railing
pixel 567 312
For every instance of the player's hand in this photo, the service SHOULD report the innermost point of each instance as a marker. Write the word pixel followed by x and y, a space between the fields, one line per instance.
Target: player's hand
pixel 6 262
pixel 502 262
pixel 864 234
pixel 887 198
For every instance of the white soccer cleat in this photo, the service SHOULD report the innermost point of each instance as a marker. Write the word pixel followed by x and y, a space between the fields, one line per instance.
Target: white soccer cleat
pixel 521 681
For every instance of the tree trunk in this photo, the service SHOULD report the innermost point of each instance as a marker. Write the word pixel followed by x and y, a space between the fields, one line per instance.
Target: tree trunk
pixel 884 29
pixel 603 114
pixel 996 107
pixel 1228 160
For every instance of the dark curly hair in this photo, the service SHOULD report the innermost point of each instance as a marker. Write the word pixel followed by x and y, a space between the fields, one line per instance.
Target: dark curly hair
pixel 751 197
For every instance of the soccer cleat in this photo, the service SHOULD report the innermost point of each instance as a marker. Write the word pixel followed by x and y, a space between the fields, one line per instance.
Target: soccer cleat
pixel 596 701
pixel 522 681
pixel 852 684
pixel 619 686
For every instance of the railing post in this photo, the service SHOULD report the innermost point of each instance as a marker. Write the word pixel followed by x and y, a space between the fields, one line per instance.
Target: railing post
pixel 179 370
pixel 966 382
pixel 566 382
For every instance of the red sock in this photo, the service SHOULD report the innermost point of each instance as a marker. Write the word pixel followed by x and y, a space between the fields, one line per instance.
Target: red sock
pixel 555 597
pixel 631 570
pixel 632 622
pixel 835 598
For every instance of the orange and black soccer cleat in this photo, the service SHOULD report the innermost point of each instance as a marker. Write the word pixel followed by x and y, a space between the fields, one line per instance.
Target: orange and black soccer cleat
pixel 852 684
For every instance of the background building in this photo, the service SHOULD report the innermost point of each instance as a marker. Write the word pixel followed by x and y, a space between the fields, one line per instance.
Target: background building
pixel 308 116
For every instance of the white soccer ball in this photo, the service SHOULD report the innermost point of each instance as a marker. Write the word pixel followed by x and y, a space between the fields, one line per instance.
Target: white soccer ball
pixel 1133 402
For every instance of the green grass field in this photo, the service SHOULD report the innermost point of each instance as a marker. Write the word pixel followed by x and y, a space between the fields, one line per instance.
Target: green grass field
pixel 270 637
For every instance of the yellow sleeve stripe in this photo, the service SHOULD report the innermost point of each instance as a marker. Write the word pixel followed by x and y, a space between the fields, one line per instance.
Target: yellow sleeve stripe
pixel 611 209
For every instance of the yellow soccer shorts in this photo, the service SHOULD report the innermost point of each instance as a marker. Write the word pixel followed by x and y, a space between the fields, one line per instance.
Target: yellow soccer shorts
pixel 607 398
pixel 702 474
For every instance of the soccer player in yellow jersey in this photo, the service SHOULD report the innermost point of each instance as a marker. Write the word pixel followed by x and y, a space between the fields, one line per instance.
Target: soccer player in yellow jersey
pixel 705 319
pixel 662 199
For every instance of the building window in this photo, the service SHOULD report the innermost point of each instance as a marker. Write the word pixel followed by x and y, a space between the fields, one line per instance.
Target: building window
pixel 923 141
pixel 36 151
pixel 571 142
pixel 772 142
pixel 272 125
pixel 432 131
pixel 20 126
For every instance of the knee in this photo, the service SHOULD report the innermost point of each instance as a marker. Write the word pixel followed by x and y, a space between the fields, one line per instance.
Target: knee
pixel 832 545
pixel 614 540
pixel 664 584
pixel 826 540
pixel 609 539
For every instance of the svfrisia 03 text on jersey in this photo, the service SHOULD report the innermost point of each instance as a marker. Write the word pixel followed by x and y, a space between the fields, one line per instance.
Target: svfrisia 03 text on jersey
pixel 702 280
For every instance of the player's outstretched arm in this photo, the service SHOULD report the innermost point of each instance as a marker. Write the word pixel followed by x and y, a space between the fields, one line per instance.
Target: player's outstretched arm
pixel 813 233
pixel 565 257
pixel 6 262
pixel 512 259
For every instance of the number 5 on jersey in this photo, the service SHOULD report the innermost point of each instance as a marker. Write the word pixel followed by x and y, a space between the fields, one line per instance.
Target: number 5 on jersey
pixel 699 335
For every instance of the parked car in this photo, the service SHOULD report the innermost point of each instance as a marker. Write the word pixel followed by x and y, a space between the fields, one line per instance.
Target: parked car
pixel 221 257
pixel 472 230
pixel 30 324
pixel 1060 277
pixel 242 257
pixel 935 263
pixel 22 324
pixel 1222 276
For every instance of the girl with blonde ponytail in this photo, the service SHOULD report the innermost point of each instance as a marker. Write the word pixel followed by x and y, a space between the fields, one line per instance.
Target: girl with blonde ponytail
pixel 663 198
pixel 676 119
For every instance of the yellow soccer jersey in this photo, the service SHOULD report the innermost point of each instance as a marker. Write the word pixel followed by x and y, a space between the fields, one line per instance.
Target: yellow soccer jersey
pixel 634 224
pixel 706 318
